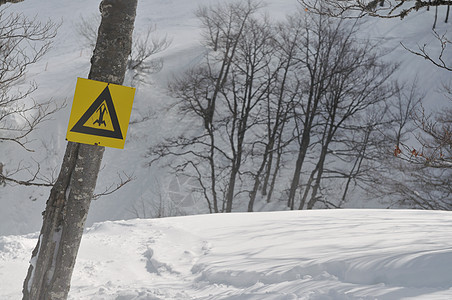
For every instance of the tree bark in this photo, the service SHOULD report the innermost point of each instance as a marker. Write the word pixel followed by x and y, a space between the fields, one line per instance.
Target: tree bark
pixel 9 1
pixel 53 259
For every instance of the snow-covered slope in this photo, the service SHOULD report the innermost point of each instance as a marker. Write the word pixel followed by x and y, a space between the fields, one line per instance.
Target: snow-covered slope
pixel 56 75
pixel 321 255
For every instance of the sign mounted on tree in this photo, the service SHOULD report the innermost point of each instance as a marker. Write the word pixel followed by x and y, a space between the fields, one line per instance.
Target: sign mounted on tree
pixel 100 113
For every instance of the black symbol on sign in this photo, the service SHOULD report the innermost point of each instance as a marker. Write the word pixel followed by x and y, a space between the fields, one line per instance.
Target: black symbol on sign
pixel 102 109
pixel 101 105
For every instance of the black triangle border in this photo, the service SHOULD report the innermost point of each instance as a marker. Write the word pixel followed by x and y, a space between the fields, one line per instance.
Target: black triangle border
pixel 116 133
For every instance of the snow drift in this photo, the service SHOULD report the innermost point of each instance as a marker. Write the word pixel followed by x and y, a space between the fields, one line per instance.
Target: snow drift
pixel 324 254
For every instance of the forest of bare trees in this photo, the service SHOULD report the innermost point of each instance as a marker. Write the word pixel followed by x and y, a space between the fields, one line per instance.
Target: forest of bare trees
pixel 419 173
pixel 305 111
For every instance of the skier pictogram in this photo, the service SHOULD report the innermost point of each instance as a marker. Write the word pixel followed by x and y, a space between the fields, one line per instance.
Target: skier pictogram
pixel 101 105
pixel 102 109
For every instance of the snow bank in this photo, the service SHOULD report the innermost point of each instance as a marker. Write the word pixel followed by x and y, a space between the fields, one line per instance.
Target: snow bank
pixel 334 254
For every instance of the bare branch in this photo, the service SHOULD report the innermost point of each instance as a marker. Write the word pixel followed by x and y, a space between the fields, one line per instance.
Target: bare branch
pixel 123 180
pixel 144 47
pixel 439 61
pixel 375 8
pixel 23 42
pixel 4 178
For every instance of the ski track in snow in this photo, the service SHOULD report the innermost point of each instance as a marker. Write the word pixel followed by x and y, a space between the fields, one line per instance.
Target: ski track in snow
pixel 316 255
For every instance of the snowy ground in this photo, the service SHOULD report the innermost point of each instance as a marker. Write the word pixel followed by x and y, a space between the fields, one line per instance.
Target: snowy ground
pixel 321 255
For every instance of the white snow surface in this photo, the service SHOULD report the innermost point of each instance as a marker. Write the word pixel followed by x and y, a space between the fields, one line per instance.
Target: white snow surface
pixel 322 254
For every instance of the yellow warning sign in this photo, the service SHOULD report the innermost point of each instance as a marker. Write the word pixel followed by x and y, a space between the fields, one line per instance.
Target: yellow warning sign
pixel 100 113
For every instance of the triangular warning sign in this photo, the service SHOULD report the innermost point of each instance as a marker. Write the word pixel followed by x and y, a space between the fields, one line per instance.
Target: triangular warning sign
pixel 102 111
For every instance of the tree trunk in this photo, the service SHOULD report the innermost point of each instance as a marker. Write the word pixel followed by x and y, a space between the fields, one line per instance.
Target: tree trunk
pixel 53 259
pixel 356 168
pixel 316 186
pixel 275 174
pixel 316 90
pixel 298 165
pixel 9 1
pixel 447 14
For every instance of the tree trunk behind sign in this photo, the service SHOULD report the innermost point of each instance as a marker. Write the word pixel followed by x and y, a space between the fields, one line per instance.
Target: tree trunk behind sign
pixel 53 259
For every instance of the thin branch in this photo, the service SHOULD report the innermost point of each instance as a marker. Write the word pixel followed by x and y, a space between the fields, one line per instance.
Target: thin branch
pixel 112 188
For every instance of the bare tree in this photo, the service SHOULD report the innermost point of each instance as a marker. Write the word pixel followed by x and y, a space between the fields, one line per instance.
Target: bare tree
pixel 54 256
pixel 378 8
pixel 360 82
pixel 23 42
pixel 431 132
pixel 306 96
pixel 277 109
pixel 410 174
pixel 145 47
pixel 317 59
pixel 414 185
pixel 363 145
pixel 86 30
pixel 246 99
pixel 214 95
pixel 267 90
pixel 435 140
pixel 427 167
pixel 389 9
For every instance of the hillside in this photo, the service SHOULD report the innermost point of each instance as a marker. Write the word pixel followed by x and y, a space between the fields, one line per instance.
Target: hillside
pixel 56 77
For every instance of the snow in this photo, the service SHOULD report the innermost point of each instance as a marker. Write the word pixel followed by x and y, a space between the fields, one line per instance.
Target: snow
pixel 317 255
pixel 322 254
pixel 33 262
